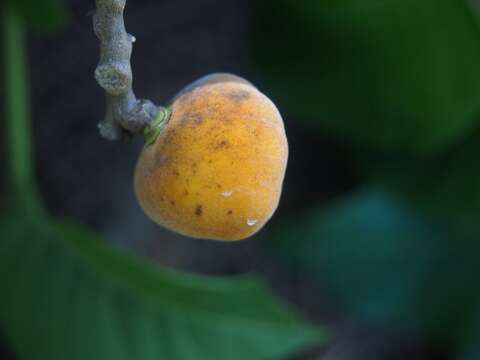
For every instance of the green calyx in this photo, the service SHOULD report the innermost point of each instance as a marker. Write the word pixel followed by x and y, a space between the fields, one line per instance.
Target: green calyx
pixel 154 129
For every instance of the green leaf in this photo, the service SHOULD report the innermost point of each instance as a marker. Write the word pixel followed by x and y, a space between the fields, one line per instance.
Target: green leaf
pixel 387 74
pixel 44 15
pixel 445 186
pixel 470 348
pixel 474 355
pixel 66 295
pixel 386 264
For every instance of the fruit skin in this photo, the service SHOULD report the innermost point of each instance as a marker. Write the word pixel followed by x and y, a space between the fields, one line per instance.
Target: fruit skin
pixel 217 168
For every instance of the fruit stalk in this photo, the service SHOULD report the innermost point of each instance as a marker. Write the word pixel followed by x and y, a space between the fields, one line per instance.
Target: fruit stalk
pixel 125 115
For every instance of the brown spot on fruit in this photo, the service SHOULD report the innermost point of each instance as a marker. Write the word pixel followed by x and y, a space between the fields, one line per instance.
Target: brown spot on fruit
pixel 238 95
pixel 191 119
pixel 199 210
pixel 221 144
pixel 230 212
pixel 160 161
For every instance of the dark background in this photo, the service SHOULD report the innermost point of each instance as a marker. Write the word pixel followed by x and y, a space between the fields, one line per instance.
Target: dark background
pixel 85 177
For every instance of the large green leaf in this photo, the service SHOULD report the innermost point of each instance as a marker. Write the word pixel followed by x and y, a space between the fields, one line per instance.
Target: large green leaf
pixel 66 295
pixel 446 186
pixel 387 264
pixel 470 348
pixel 390 74
pixel 473 355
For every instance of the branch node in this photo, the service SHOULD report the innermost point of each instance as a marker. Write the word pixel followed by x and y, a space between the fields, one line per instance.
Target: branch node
pixel 114 78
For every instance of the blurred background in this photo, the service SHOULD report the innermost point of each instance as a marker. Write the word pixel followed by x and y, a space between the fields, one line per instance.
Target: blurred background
pixel 378 232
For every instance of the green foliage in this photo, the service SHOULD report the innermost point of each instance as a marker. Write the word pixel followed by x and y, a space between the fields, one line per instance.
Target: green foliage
pixel 473 353
pixel 66 295
pixel 470 348
pixel 388 74
pixel 387 264
pixel 446 186
pixel 44 15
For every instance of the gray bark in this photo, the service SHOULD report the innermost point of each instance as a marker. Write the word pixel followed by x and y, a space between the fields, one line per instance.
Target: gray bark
pixel 126 115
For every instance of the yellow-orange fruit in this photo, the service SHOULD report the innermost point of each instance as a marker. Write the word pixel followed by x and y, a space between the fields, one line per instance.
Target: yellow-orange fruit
pixel 216 170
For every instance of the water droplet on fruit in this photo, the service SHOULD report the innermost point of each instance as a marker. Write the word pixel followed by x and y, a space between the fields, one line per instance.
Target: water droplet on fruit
pixel 227 193
pixel 251 222
pixel 132 38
